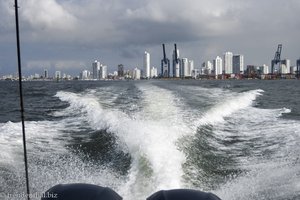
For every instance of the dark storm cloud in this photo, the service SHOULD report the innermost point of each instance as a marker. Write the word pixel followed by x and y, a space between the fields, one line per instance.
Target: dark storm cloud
pixel 70 34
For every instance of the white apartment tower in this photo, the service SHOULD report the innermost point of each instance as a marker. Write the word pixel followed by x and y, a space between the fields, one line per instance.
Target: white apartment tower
pixel 185 67
pixel 218 66
pixel 191 67
pixel 146 69
pixel 227 61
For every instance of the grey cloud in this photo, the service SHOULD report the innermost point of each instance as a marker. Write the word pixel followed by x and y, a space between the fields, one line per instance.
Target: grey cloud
pixel 117 30
pixel 115 22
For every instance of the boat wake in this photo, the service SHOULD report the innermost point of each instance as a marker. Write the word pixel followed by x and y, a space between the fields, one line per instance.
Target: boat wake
pixel 144 138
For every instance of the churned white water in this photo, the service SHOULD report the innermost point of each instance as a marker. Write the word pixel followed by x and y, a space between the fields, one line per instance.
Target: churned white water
pixel 150 128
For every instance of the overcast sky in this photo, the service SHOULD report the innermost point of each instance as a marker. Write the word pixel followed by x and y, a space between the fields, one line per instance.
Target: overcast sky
pixel 68 35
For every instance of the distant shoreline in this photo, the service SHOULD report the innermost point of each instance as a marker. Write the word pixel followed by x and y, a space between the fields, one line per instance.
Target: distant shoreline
pixel 162 79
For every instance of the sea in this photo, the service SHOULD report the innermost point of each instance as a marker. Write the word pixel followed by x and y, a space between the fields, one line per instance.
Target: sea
pixel 239 139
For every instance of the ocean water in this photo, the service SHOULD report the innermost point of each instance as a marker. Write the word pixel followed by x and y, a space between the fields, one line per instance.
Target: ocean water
pixel 239 139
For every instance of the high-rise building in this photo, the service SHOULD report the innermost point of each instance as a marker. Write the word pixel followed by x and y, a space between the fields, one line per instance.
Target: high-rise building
pixel 58 75
pixel 266 69
pixel 153 72
pixel 218 66
pixel 96 68
pixel 146 68
pixel 237 64
pixel 46 75
pixel 285 67
pixel 136 74
pixel 176 63
pixel 227 61
pixel 103 72
pixel 190 67
pixel 185 67
pixel 207 68
pixel 84 75
pixel 120 70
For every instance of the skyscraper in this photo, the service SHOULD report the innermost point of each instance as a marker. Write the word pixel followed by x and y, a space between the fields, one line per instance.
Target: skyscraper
pixel 46 75
pixel 146 71
pixel 96 69
pixel 228 62
pixel 218 66
pixel 238 64
pixel 191 67
pixel 103 72
pixel 120 70
pixel 185 67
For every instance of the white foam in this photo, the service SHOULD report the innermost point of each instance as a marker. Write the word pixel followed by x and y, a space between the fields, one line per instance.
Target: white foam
pixel 49 160
pixel 269 180
pixel 36 133
pixel 228 106
pixel 150 136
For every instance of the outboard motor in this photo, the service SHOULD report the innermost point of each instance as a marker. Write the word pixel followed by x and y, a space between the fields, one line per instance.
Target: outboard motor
pixel 182 194
pixel 80 191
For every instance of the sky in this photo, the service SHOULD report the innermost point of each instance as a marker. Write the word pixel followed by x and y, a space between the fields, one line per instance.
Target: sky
pixel 68 35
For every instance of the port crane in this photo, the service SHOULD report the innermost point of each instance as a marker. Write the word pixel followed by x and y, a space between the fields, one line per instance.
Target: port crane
pixel 165 64
pixel 298 68
pixel 276 59
pixel 176 64
pixel 176 56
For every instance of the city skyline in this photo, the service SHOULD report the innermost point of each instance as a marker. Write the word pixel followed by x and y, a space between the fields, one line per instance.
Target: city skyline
pixel 230 66
pixel 230 63
pixel 67 35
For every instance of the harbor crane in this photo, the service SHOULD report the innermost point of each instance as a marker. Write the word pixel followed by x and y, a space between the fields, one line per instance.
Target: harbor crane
pixel 165 64
pixel 276 59
pixel 176 56
pixel 298 68
pixel 176 63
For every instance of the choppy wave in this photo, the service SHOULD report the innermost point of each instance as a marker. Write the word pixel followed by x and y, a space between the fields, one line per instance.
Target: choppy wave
pixel 150 137
pixel 216 140
pixel 229 105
